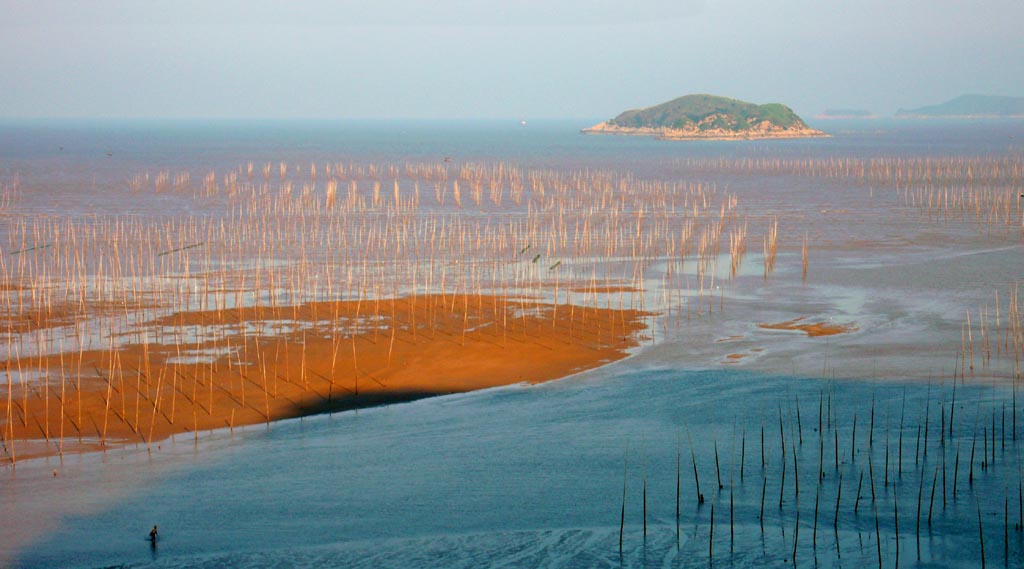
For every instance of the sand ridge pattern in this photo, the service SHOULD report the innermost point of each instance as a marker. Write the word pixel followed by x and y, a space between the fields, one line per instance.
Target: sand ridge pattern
pixel 812 329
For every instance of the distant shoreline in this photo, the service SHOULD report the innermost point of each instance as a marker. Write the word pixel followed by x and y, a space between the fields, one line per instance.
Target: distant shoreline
pixel 846 117
pixel 957 117
pixel 663 133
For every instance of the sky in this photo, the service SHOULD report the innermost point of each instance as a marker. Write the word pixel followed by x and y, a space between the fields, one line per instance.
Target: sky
pixel 529 59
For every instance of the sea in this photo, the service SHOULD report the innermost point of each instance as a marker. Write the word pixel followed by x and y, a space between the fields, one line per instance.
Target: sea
pixel 715 443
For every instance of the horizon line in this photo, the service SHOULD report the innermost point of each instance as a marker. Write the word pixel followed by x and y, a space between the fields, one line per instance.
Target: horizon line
pixel 286 118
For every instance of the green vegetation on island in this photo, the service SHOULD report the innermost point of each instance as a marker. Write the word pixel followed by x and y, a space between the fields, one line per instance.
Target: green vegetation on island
pixel 708 117
pixel 970 106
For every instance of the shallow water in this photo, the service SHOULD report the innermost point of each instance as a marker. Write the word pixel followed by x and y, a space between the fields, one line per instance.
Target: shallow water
pixel 532 476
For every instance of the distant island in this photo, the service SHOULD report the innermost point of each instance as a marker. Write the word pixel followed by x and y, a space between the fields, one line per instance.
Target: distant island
pixel 832 114
pixel 708 117
pixel 969 107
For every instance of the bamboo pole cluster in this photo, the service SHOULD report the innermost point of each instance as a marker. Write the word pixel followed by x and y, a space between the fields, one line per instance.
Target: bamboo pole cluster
pixel 771 244
pixel 84 295
pixel 895 171
pixel 993 339
pixel 917 480
pixel 983 191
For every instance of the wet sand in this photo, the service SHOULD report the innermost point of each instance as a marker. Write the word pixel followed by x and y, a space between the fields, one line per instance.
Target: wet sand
pixel 812 329
pixel 306 359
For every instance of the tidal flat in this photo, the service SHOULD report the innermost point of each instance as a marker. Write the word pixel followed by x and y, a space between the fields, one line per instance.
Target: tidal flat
pixel 233 332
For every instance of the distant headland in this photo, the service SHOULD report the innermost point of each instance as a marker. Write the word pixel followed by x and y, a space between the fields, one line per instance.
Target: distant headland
pixel 969 107
pixel 708 117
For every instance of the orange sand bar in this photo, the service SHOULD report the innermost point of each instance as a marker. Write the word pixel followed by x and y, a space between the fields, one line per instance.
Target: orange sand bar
pixel 811 329
pixel 254 366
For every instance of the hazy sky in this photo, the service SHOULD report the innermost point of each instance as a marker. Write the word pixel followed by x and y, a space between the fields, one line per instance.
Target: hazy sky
pixel 516 58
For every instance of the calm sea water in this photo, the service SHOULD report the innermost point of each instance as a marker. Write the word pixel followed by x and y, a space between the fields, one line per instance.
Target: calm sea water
pixel 533 476
pixel 105 152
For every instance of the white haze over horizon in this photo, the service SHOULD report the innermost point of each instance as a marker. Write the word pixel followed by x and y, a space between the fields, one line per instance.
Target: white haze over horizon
pixel 478 59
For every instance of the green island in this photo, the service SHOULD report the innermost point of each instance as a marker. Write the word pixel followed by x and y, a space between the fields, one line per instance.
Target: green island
pixel 969 107
pixel 708 117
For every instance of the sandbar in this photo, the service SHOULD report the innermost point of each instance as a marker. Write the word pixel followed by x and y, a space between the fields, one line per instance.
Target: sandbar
pixel 305 359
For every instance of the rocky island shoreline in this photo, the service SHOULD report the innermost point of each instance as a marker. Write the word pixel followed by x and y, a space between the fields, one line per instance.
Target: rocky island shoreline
pixel 708 117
